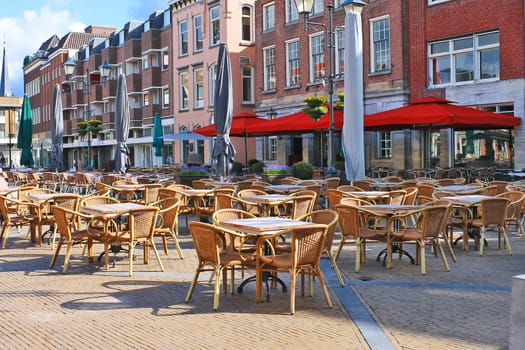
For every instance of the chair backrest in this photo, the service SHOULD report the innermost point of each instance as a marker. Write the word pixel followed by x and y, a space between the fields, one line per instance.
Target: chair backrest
pixel 179 187
pixel 302 205
pixel 445 182
pixel 67 200
pixel 4 211
pixel 354 201
pixel 363 184
pixel 151 193
pixel 434 220
pixel 223 201
pixel 397 197
pixel 326 217
pixel 250 192
pixel 334 196
pixel 230 214
pixel 426 189
pixel 424 200
pixel 494 211
pixel 441 194
pixel 63 221
pixel 332 182
pixel 500 186
pixel 409 183
pixel 243 185
pixel 40 190
pixel 515 206
pixel 168 210
pixel 349 188
pixel 307 244
pixel 491 190
pixel 206 241
pixel 199 184
pixel 96 200
pixel 141 222
pixel 108 179
pixel 349 220
pixel 410 197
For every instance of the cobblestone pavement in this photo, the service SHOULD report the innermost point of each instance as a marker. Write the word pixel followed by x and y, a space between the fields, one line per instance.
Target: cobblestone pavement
pixel 466 308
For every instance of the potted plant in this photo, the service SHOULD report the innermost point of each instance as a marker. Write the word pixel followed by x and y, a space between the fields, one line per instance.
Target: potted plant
pixel 274 173
pixel 303 170
pixel 340 105
pixel 316 106
pixel 186 174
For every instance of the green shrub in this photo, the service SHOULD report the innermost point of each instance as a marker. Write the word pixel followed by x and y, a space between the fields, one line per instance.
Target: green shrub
pixel 236 168
pixel 257 168
pixel 277 170
pixel 303 170
pixel 253 161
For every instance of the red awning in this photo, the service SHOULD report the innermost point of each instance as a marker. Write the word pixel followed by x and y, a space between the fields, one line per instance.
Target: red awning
pixel 437 113
pixel 242 125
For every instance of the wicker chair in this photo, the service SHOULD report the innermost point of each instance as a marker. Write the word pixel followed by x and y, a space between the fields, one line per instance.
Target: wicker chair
pixel 430 229
pixel 209 246
pixel 330 218
pixel 139 230
pixel 168 213
pixel 492 214
pixel 70 234
pixel 18 218
pixel 307 246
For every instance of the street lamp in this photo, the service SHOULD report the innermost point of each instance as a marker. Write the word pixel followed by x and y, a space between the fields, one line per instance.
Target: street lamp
pixel 305 8
pixel 272 114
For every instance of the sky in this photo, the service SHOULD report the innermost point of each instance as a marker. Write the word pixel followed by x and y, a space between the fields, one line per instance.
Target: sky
pixel 26 24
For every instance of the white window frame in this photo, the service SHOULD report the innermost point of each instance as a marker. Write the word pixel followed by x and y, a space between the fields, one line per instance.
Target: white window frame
pixel 198 37
pixel 320 54
pixel 293 79
pixel 269 17
pixel 384 145
pixel 198 87
pixel 384 64
pixel 165 97
pixel 212 77
pixel 339 52
pixel 165 59
pixel 247 80
pixel 476 50
pixel 292 15
pixel 145 62
pixel 269 68
pixel 247 20
pixel 215 31
pixel 184 90
pixel 183 38
pixel 318 7
pixel 435 2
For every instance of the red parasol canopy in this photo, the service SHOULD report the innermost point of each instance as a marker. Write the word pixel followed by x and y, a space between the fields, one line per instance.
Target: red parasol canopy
pixel 437 113
pixel 242 125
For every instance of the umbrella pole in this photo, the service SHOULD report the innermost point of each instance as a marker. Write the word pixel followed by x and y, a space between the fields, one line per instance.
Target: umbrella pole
pixel 245 148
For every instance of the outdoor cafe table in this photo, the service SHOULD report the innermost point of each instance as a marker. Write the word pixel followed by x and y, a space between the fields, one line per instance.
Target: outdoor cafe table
pixel 391 210
pixel 459 189
pixel 266 201
pixel 39 199
pixel 107 212
pixel 258 227
pixel 465 202
pixel 367 195
pixel 198 199
pixel 385 185
pixel 284 189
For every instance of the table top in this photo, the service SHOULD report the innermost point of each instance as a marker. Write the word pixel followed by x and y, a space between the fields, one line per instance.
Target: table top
pixel 392 209
pixel 41 197
pixel 111 209
pixel 267 198
pixel 195 192
pixel 367 194
pixel 132 187
pixel 263 225
pixel 466 200
pixel 385 184
pixel 285 188
pixel 458 188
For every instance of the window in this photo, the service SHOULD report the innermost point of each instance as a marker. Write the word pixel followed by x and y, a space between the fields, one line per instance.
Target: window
pixel 247 85
pixel 183 38
pixel 340 52
pixel 246 24
pixel 464 60
pixel 269 17
pixel 184 91
pixel 385 145
pixel 146 99
pixel 291 11
pixel 212 76
pixel 197 33
pixel 165 97
pixel 145 62
pixel 270 148
pixel 155 96
pixel 165 60
pixel 167 18
pixel 317 65
pixel 215 26
pixel 318 7
pixel 269 68
pixel 293 68
pixel 380 41
pixel 198 89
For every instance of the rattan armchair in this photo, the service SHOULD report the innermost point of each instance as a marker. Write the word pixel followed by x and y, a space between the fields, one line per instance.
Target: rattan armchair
pixel 492 214
pixel 307 245
pixel 166 225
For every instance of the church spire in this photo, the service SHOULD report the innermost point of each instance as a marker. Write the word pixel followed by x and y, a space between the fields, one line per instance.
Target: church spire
pixel 5 90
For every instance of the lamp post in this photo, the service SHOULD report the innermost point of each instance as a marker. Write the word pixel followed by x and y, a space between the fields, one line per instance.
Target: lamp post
pixel 272 114
pixel 305 8
pixel 10 144
pixel 105 69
